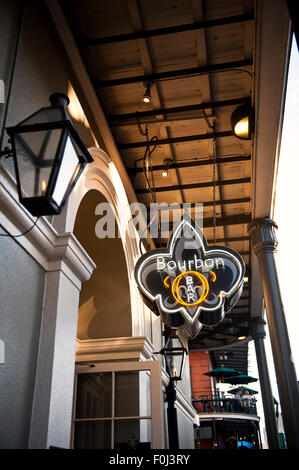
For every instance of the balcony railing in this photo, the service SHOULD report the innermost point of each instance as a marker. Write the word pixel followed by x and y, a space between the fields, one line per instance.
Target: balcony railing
pixel 216 404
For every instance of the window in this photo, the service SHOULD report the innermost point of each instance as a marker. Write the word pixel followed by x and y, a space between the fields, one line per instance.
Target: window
pixel 113 408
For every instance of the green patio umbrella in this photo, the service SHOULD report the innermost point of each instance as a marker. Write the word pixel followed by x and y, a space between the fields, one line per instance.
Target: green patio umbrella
pixel 222 372
pixel 240 379
pixel 235 390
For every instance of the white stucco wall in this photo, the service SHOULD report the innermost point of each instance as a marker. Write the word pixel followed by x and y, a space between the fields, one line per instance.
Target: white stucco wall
pixel 186 432
pixel 21 276
pixel 21 295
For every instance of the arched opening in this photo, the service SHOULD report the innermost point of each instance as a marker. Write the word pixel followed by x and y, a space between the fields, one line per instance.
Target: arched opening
pixel 104 308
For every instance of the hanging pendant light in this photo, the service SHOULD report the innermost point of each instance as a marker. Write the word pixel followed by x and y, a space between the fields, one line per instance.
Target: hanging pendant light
pixel 146 98
pixel 167 163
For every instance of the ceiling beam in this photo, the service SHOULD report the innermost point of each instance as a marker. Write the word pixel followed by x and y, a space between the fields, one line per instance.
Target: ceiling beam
pixel 207 184
pixel 228 220
pixel 230 239
pixel 192 205
pixel 169 121
pixel 173 140
pixel 138 116
pixel 241 307
pixel 222 240
pixel 206 91
pixel 146 60
pixel 167 30
pixel 236 219
pixel 194 163
pixel 237 64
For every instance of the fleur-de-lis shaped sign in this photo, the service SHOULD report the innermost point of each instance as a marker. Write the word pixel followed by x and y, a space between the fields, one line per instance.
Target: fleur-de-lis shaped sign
pixel 190 284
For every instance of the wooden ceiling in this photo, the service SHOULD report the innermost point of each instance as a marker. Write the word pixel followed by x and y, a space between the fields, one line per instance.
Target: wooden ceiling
pixel 200 56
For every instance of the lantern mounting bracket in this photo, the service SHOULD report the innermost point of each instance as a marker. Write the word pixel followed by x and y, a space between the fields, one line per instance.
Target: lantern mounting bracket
pixel 7 153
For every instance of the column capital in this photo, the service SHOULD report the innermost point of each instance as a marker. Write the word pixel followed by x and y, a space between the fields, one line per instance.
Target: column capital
pixel 257 328
pixel 263 236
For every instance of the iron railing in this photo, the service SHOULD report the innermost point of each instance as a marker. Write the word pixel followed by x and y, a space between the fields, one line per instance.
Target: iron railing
pixel 217 404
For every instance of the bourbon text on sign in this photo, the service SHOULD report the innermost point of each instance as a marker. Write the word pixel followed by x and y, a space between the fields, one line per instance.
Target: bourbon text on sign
pixel 190 284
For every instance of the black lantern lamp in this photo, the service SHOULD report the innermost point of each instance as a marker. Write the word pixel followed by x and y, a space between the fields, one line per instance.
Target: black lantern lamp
pixel 49 157
pixel 242 121
pixel 175 354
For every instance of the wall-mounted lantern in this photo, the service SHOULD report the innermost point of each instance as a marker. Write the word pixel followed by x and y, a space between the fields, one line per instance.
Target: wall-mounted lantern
pixel 49 157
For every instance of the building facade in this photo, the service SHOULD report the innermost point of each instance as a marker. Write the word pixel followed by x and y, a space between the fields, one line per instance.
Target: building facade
pixel 80 350
pixel 76 301
pixel 227 421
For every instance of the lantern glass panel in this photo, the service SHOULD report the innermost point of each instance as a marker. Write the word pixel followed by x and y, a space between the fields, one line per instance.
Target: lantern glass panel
pixel 175 358
pixel 44 116
pixel 68 172
pixel 36 152
pixel 173 364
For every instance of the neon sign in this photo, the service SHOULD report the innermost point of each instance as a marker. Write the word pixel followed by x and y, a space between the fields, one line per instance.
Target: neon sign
pixel 190 284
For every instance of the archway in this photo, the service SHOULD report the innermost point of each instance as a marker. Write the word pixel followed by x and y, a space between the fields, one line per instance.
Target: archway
pixel 104 308
pixel 102 176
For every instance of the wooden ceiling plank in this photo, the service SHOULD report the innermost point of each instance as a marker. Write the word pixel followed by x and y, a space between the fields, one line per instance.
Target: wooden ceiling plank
pixel 224 66
pixel 197 185
pixel 173 140
pixel 168 30
pixel 202 56
pixel 205 204
pixel 145 55
pixel 169 122
pixel 177 109
pixel 195 163
pixel 221 221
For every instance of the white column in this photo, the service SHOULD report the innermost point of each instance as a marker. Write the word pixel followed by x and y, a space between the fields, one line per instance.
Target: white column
pixel 263 238
pixel 53 394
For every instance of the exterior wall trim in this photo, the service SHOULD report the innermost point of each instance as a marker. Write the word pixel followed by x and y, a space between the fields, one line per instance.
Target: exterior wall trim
pixel 49 249
pixel 273 33
pixel 125 348
pixel 186 407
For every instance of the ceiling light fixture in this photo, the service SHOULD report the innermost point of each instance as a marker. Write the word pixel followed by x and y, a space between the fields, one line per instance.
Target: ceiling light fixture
pixel 167 163
pixel 242 122
pixel 240 338
pixel 146 98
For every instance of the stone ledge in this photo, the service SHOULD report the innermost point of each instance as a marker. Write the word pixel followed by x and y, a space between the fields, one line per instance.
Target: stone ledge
pixel 133 348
